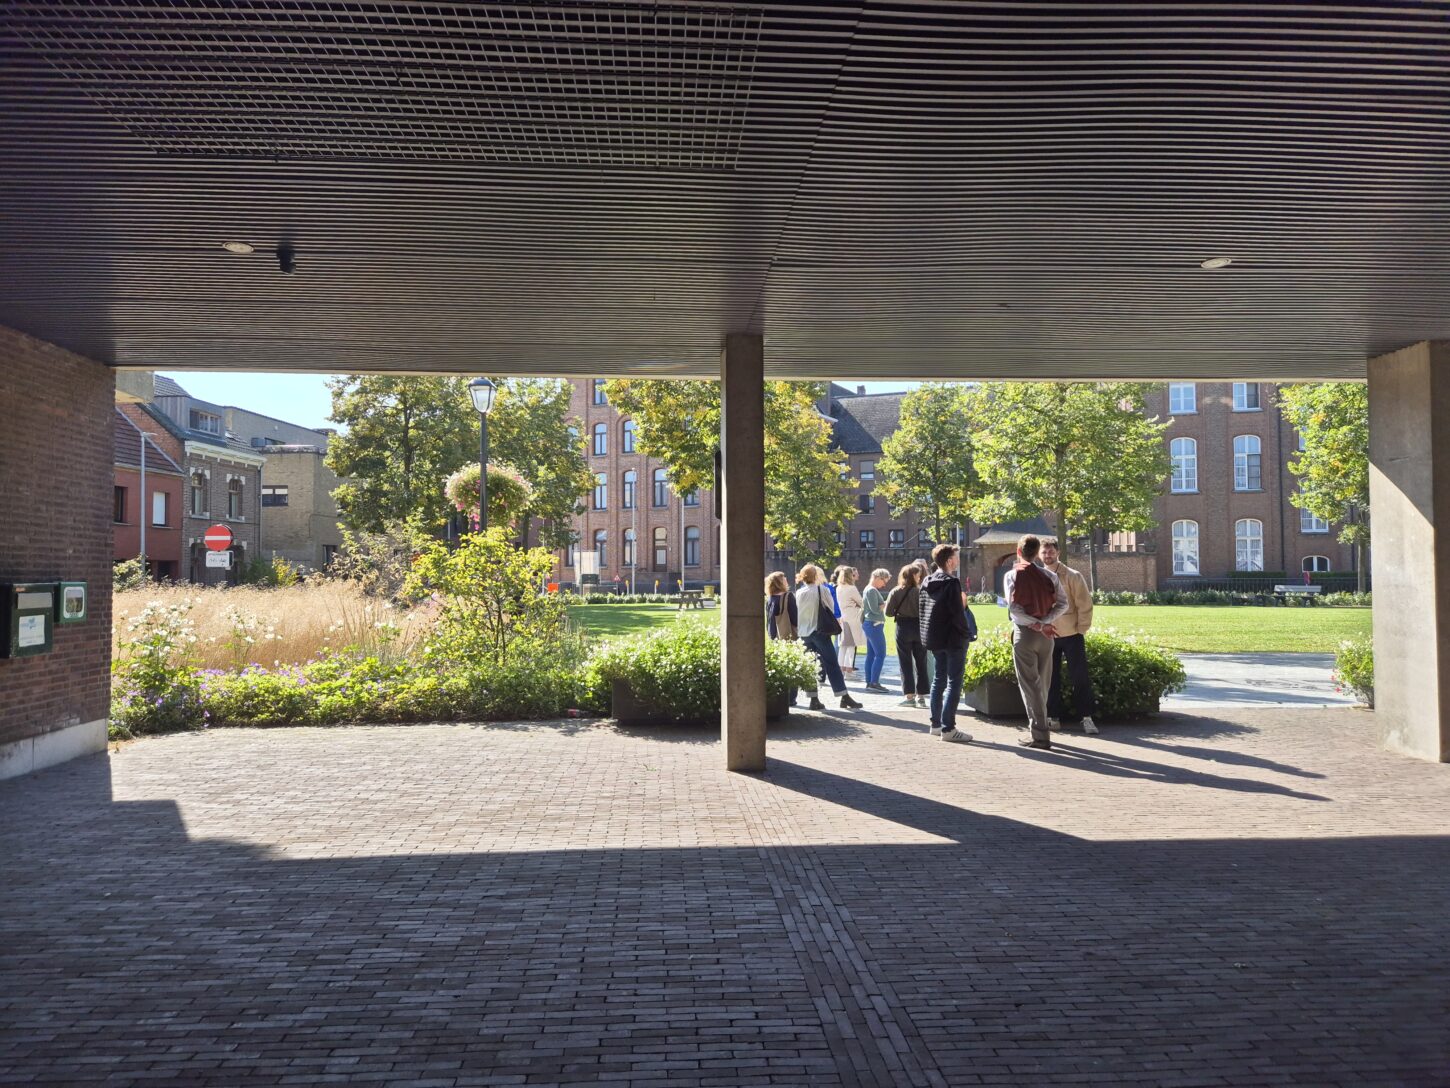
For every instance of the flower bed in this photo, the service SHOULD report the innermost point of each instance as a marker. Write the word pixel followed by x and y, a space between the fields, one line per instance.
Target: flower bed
pixel 1354 668
pixel 1130 673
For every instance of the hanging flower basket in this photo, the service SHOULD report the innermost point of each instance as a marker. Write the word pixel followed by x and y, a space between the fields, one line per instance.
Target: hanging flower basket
pixel 508 493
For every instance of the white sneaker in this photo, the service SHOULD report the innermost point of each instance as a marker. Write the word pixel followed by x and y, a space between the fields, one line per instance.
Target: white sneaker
pixel 935 730
pixel 959 736
pixel 1089 727
pixel 1054 724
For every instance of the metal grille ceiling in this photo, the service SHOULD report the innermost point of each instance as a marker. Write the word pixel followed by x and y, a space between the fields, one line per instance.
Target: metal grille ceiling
pixel 884 190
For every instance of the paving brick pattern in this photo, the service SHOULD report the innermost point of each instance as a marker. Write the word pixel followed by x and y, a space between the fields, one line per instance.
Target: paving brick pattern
pixel 1239 900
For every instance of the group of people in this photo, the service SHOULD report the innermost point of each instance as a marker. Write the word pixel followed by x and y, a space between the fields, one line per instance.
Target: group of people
pixel 1049 604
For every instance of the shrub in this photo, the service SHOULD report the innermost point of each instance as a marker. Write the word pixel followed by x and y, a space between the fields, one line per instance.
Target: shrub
pixel 1128 672
pixel 380 562
pixel 129 574
pixel 983 598
pixel 1354 668
pixel 154 688
pixel 274 573
pixel 1348 599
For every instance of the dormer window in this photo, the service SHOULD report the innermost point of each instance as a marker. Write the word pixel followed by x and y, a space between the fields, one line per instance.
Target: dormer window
pixel 205 421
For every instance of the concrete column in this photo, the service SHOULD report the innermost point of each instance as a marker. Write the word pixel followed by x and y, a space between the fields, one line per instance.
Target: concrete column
pixel 1409 488
pixel 742 563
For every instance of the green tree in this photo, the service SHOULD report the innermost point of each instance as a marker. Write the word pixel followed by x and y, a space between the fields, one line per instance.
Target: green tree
pixel 926 464
pixel 1083 452
pixel 807 481
pixel 401 437
pixel 1333 468
pixel 529 429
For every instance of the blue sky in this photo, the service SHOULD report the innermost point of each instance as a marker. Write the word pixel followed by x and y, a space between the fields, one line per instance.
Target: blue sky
pixel 303 398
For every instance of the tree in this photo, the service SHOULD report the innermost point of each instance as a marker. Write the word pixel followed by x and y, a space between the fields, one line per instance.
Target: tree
pixel 1333 467
pixel 926 463
pixel 529 429
pixel 401 437
pixel 1083 452
pixel 807 481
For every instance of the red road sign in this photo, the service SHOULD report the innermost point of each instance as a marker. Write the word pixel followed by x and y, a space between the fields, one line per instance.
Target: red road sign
pixel 218 538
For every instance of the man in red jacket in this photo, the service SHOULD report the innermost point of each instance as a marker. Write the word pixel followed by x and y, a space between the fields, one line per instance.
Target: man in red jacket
pixel 1034 599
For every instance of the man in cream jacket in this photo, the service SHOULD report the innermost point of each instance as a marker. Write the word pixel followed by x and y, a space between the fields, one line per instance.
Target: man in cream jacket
pixel 1069 648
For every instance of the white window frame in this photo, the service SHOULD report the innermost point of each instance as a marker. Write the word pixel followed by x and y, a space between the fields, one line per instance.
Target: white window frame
pixel 600 448
pixel 1248 546
pixel 597 394
pixel 692 536
pixel 629 494
pixel 1252 447
pixel 1241 397
pixel 601 546
pixel 1305 568
pixel 1184 455
pixel 600 498
pixel 896 540
pixel 629 547
pixel 162 500
pixel 867 538
pixel 867 472
pixel 1311 524
pixel 1184 405
pixel 1185 533
pixel 626 439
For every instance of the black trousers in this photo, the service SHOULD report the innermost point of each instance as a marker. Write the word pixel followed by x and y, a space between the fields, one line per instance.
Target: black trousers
pixel 1070 651
pixel 911 657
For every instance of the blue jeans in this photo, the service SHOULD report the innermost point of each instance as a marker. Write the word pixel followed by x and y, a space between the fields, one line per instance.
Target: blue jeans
pixel 875 651
pixel 946 686
pixel 820 645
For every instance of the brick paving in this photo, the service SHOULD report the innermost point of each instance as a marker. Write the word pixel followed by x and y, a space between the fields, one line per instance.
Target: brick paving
pixel 1245 899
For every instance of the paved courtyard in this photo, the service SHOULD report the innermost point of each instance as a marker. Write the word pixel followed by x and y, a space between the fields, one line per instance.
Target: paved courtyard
pixel 1241 899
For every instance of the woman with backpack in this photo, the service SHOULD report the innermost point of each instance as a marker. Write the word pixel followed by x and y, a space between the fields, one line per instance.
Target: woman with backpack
pixel 816 624
pixel 904 606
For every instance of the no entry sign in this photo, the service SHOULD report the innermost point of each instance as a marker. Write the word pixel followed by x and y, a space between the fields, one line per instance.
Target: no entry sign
pixel 218 538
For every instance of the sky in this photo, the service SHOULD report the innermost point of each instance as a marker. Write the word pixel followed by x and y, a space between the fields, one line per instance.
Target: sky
pixel 303 398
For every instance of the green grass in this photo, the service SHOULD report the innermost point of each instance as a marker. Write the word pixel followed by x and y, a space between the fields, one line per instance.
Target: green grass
pixel 1188 629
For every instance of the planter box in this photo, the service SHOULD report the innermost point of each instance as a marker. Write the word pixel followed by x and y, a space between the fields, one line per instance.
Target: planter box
pixel 627 707
pixel 1003 699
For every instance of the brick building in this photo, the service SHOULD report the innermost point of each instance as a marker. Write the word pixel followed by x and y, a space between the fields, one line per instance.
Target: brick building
pixel 152 502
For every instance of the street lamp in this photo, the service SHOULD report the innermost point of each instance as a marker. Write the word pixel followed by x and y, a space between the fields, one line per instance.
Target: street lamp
pixel 482 391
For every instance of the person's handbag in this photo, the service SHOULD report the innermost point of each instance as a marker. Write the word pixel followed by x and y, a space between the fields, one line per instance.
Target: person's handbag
pixel 826 622
pixel 784 629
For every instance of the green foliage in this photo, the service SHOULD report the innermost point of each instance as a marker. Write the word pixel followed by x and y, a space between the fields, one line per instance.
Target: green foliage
pixel 529 430
pixel 1333 468
pixel 678 670
pixel 129 574
pixel 1129 672
pixel 508 494
pixel 808 490
pixel 1082 451
pixel 380 561
pixel 276 572
pixel 154 688
pixel 926 464
pixel 1354 668
pixel 626 598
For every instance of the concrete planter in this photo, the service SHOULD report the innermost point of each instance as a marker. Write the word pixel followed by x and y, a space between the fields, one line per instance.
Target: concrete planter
pixel 627 707
pixel 1003 699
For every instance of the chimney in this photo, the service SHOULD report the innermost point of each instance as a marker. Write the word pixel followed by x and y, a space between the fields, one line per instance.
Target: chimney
pixel 860 390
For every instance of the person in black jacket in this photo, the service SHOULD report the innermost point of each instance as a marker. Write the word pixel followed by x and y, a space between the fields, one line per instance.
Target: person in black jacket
pixel 947 628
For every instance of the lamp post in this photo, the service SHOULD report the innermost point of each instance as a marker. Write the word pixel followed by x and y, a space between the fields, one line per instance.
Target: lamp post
pixel 482 391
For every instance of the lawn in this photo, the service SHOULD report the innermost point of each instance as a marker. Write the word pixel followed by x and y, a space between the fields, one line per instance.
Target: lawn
pixel 1188 629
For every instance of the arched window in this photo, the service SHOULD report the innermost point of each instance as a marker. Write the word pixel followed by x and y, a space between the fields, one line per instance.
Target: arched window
pixel 630 478
pixel 571 556
pixel 627 438
pixel 601 547
pixel 1248 463
pixel 234 497
pixel 1185 464
pixel 661 488
pixel 629 547
pixel 662 550
pixel 199 506
pixel 601 439
pixel 692 546
pixel 1315 564
pixel 1248 544
pixel 1185 547
pixel 601 491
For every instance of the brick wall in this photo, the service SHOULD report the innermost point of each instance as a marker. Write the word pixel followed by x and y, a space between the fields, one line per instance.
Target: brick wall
pixel 57 450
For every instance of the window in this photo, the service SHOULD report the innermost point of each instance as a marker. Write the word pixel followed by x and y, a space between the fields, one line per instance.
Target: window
pixel 1315 564
pixel 1182 398
pixel 118 505
pixel 234 497
pixel 601 491
pixel 661 492
pixel 205 421
pixel 693 498
pixel 923 538
pixel 599 391
pixel 601 547
pixel 896 541
pixel 1185 547
pixel 868 538
pixel 1303 445
pixel 571 555
pixel 630 481
pixel 662 550
pixel 629 547
pixel 160 508
pixel 274 494
pixel 1246 396
pixel 1308 523
pixel 1249 544
pixel 840 537
pixel 692 546
pixel 626 444
pixel 574 432
pixel 1185 464
pixel 1248 464
pixel 868 471
pixel 601 439
pixel 867 503
pixel 199 507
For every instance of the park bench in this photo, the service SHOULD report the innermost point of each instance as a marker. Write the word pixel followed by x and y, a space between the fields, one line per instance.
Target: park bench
pixel 691 598
pixel 1283 593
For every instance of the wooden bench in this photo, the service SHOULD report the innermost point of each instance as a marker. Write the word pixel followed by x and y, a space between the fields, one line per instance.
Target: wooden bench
pixel 1283 593
pixel 691 598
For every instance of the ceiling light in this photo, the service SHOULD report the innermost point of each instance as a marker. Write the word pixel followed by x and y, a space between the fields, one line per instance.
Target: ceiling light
pixel 236 247
pixel 1217 262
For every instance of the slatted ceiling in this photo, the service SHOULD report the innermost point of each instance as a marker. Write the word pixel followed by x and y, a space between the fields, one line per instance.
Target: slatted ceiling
pixel 885 190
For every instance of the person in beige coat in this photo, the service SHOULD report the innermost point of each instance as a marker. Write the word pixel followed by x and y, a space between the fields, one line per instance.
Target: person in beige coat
pixel 852 605
pixel 1069 648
